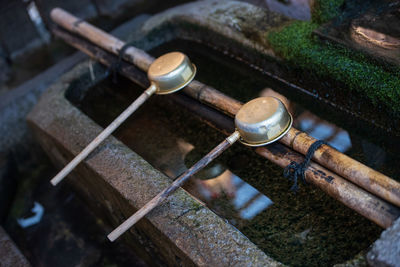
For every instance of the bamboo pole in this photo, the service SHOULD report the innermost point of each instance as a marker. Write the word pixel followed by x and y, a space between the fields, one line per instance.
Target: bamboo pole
pixel 366 204
pixel 360 174
pixel 99 37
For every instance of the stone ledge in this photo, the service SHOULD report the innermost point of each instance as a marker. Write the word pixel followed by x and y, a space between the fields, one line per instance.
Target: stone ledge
pixel 386 250
pixel 10 255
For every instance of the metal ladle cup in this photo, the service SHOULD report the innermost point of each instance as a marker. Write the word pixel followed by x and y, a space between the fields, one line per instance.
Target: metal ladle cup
pixel 262 121
pixel 168 73
pixel 259 122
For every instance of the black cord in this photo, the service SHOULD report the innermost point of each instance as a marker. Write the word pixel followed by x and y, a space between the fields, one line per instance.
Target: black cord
pixel 116 66
pixel 295 170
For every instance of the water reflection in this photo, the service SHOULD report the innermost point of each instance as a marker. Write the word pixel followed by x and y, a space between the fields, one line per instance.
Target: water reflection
pixel 246 200
pixel 313 125
pixel 321 129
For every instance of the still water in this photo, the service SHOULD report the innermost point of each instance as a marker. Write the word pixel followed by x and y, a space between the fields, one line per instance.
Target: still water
pixel 306 228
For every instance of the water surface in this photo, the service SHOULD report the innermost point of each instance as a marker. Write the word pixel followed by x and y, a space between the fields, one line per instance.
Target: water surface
pixel 308 228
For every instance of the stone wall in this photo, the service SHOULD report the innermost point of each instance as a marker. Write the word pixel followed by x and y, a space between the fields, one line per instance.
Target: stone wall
pixel 10 255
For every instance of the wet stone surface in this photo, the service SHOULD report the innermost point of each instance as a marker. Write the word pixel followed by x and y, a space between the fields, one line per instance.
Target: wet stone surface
pixel 9 253
pixel 386 250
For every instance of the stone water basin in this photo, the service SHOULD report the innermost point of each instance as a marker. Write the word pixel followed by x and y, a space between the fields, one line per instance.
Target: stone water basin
pixel 238 211
pixel 248 192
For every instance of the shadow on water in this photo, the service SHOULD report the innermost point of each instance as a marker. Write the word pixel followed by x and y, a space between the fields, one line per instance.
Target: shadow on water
pixel 307 228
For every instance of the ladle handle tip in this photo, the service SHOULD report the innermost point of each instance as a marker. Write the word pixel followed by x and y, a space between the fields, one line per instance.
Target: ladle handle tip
pixel 138 215
pixel 104 134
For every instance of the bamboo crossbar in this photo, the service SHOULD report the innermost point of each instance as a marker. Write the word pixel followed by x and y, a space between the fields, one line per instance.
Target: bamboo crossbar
pixel 332 159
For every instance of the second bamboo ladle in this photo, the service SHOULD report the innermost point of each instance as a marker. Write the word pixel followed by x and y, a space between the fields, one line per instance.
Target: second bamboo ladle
pixel 259 122
pixel 167 74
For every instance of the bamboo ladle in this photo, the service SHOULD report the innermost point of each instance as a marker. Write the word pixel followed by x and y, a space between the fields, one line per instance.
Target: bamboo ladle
pixel 259 122
pixel 167 74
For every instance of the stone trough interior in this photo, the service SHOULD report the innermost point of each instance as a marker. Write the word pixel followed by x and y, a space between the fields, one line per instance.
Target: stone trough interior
pixel 249 192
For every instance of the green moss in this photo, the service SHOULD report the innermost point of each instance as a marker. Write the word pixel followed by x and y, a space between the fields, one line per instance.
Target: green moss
pixel 296 44
pixel 325 10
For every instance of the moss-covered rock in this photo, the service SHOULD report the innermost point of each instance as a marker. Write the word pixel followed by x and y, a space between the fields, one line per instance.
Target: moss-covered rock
pixel 297 45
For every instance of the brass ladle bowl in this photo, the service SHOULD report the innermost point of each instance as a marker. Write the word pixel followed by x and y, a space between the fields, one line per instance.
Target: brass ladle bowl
pixel 262 121
pixel 171 72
